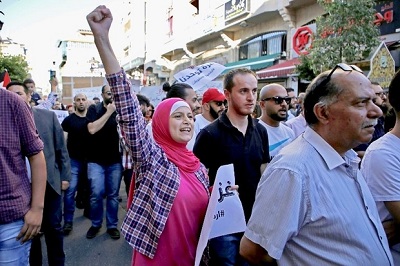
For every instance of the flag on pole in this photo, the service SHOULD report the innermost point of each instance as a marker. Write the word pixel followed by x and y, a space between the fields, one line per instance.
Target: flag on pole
pixel 4 79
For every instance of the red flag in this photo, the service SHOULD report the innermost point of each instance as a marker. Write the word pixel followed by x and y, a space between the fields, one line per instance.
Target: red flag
pixel 4 79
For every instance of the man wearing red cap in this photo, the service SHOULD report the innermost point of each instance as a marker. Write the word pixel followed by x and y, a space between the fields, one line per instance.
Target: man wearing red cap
pixel 214 104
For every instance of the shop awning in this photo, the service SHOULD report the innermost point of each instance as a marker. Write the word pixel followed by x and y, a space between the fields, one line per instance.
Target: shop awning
pixel 280 70
pixel 253 63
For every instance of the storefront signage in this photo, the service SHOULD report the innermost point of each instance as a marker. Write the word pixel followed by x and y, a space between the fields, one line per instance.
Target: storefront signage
pixel 387 17
pixel 235 8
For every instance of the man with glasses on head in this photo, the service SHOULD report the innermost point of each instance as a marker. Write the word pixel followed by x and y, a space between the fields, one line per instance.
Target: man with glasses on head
pixel 313 206
pixel 274 103
pixel 104 164
pixel 380 101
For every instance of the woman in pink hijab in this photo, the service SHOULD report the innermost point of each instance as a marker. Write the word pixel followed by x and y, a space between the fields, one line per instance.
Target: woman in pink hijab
pixel 171 194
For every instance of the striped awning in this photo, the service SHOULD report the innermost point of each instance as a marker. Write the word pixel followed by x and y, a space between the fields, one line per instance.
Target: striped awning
pixel 281 70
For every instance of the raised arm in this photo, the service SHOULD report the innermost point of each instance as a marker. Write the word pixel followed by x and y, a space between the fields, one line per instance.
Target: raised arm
pixel 130 116
pixel 100 21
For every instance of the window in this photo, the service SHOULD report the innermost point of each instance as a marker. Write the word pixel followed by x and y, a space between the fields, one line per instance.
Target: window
pixel 265 44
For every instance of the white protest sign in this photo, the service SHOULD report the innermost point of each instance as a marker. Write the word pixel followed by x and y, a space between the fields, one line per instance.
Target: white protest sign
pixel 154 93
pixel 90 92
pixel 199 76
pixel 212 84
pixel 224 213
pixel 61 114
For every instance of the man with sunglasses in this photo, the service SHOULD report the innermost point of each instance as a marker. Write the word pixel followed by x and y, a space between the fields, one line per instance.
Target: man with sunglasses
pixel 213 105
pixel 313 206
pixel 274 103
pixel 104 164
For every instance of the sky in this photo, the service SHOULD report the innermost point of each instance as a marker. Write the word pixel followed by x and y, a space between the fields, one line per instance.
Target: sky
pixel 40 23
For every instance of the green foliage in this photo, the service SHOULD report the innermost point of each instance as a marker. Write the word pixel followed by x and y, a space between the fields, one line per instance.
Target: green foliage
pixel 16 66
pixel 345 34
pixel 304 68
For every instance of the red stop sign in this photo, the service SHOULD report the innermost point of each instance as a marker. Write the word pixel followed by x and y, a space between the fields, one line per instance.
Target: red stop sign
pixel 302 40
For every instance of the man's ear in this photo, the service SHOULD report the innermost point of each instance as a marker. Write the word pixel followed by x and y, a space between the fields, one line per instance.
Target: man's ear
pixel 206 106
pixel 322 113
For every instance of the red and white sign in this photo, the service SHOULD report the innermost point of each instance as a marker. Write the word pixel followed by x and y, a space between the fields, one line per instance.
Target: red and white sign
pixel 302 39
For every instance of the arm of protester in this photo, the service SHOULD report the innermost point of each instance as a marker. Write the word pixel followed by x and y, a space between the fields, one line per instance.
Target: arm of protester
pixel 95 126
pixel 254 253
pixel 393 229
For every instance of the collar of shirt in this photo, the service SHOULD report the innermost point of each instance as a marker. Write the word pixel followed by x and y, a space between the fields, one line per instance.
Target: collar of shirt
pixel 224 119
pixel 330 156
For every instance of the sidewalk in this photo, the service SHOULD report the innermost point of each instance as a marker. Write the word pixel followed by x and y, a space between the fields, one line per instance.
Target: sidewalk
pixel 99 251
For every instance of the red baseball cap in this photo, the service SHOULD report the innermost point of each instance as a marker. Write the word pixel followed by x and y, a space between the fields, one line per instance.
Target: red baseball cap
pixel 213 94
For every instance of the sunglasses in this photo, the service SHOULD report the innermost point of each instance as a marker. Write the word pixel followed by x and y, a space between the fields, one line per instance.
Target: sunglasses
pixel 278 99
pixel 342 66
pixel 109 93
pixel 220 103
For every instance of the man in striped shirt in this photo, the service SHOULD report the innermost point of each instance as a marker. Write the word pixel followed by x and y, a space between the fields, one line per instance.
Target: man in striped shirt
pixel 313 206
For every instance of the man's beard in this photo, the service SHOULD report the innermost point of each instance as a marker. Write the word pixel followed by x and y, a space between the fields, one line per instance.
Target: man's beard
pixel 213 114
pixel 108 101
pixel 276 117
pixel 384 108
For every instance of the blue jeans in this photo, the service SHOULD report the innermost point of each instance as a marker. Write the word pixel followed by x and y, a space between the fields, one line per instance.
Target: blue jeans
pixel 105 181
pixel 78 171
pixel 224 251
pixel 12 252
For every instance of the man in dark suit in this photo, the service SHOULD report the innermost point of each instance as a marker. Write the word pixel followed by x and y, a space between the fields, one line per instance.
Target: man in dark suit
pixel 58 176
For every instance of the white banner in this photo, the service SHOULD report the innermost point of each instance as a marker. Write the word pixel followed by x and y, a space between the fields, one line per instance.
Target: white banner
pixel 224 214
pixel 199 76
pixel 61 114
pixel 154 93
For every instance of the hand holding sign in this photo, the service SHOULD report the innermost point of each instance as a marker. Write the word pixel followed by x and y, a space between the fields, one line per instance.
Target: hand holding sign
pixel 224 212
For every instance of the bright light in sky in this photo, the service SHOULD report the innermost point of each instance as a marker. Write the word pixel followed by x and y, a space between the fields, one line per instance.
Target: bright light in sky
pixel 40 23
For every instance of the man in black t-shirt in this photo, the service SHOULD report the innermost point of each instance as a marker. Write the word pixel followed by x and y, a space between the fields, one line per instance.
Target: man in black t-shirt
pixel 104 164
pixel 75 128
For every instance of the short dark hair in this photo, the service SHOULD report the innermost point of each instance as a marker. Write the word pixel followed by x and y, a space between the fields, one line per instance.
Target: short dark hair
pixel 289 90
pixel 17 83
pixel 228 77
pixel 28 80
pixel 143 100
pixel 177 90
pixel 96 98
pixel 102 88
pixel 320 92
pixel 394 92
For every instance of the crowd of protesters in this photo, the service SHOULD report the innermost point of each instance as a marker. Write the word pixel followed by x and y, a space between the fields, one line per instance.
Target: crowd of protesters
pixel 318 173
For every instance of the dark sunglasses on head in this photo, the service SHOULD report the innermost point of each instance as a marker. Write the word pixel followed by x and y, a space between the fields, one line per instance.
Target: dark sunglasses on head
pixel 278 99
pixel 220 103
pixel 342 66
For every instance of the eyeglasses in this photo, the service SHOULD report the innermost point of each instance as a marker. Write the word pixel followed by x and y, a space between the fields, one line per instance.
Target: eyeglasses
pixel 109 93
pixel 220 103
pixel 342 66
pixel 278 99
pixel 381 94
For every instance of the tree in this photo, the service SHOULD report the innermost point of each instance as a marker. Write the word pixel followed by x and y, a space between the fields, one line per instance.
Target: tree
pixel 346 33
pixel 16 66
